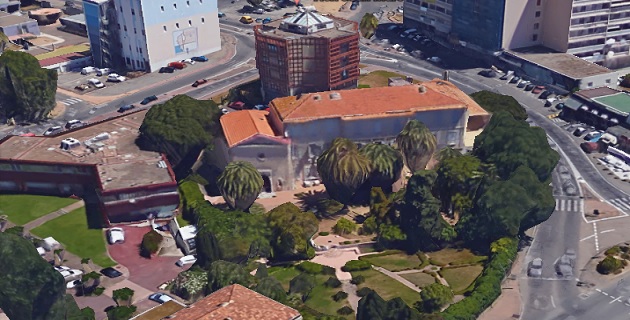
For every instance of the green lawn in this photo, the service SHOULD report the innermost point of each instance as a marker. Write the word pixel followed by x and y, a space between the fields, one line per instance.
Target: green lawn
pixel 394 262
pixel 420 279
pixel 387 287
pixel 22 209
pixel 454 257
pixel 461 278
pixel 72 231
pixel 321 299
pixel 379 78
pixel 284 275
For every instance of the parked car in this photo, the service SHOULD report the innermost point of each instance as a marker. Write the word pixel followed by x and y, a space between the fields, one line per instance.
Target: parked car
pixel 82 87
pixel 288 14
pixel 548 103
pixel 261 107
pixel 115 77
pixel 126 107
pixel 434 59
pixel 266 20
pixel 111 272
pixel 189 61
pixel 177 65
pixel 221 14
pixel 74 124
pixel 538 89
pixel 116 235
pixel 579 131
pixel 258 20
pixel 515 79
pixel 593 134
pixel 535 268
pixel 61 268
pixel 96 83
pixel 160 297
pixel 488 73
pixel 225 111
pixel 88 70
pixel 200 59
pixel 505 77
pixel 354 6
pixel 103 71
pixel 74 284
pixel 560 106
pixel 237 105
pixel 167 70
pixel 190 259
pixel 522 84
pixel 258 11
pixel 590 147
pixel 148 100
pixel 53 130
pixel 529 87
pixel 545 94
pixel 199 82
pixel 70 275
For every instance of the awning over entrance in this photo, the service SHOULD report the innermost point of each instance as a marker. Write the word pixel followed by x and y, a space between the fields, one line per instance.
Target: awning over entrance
pixel 573 104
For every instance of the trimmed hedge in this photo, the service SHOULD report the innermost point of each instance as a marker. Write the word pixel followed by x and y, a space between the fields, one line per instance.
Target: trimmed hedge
pixel 190 197
pixel 333 282
pixel 364 291
pixel 340 296
pixel 358 280
pixel 356 265
pixel 314 268
pixel 345 310
pixel 488 285
pixel 150 243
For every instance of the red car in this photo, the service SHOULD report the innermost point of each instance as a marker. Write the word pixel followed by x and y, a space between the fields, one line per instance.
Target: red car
pixel 538 89
pixel 237 105
pixel 177 65
pixel 199 82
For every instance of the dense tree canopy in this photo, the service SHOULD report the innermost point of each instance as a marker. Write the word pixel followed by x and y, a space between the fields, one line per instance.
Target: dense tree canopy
pixel 420 216
pixel 508 143
pixel 343 169
pixel 368 25
pixel 434 296
pixel 27 91
pixel 224 273
pixel 453 183
pixel 291 230
pixel 373 307
pixel 30 288
pixel 270 287
pixel 180 126
pixel 495 102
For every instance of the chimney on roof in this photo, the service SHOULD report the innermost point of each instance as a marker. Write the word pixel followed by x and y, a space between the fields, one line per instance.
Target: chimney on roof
pixel 445 75
pixel 335 96
pixel 422 89
pixel 317 97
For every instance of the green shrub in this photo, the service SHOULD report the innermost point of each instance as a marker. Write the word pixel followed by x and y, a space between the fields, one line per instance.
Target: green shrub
pixel 324 233
pixel 344 226
pixel 347 242
pixel 98 291
pixel 356 265
pixel 345 311
pixel 357 241
pixel 364 291
pixel 363 86
pixel 358 280
pixel 314 268
pixel 190 196
pixel 625 256
pixel 624 249
pixel 340 296
pixel 609 265
pixel 613 251
pixel 333 282
pixel 150 243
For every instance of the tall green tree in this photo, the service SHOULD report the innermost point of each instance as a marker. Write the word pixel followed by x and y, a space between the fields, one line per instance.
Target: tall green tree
pixel 539 192
pixel 387 164
pixel 508 144
pixel 417 144
pixel 123 296
pixel 303 285
pixel 343 169
pixel 495 102
pixel 420 217
pixel 291 231
pixel 368 25
pixel 373 307
pixel 455 175
pixel 30 288
pixel 271 288
pixel 240 184
pixel 27 91
pixel 207 248
pixel 434 296
pixel 224 273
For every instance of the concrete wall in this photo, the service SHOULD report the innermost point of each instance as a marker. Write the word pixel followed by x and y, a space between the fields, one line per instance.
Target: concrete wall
pixel 275 161
pixel 519 23
pixel 25 27
pixel 600 80
pixel 556 22
pixel 132 29
pixel 71 65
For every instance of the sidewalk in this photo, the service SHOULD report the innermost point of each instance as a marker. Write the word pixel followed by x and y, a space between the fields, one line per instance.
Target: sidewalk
pixel 398 278
pixel 508 303
pixel 50 216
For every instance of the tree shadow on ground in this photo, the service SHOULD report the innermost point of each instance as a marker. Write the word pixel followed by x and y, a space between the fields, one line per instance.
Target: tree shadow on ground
pixel 318 202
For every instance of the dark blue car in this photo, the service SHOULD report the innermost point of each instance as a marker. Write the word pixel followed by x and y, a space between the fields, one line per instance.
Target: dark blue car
pixel 199 59
pixel 148 100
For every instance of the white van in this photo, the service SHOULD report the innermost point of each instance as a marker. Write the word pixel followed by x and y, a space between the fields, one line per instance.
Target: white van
pixel 88 70
pixel 190 259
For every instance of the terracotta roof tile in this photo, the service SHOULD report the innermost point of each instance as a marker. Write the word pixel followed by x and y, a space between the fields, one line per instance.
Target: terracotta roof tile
pixel 242 125
pixel 236 302
pixel 447 88
pixel 367 102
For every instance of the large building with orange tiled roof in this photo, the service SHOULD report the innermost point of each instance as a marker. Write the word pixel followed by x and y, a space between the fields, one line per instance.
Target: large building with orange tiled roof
pixel 296 129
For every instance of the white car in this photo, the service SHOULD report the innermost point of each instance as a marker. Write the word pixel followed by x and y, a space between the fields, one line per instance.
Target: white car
pixel 73 284
pixel 41 251
pixel 190 259
pixel 225 111
pixel 160 298
pixel 115 77
pixel 69 275
pixel 434 59
pixel 116 235
pixel 96 83
pixel 88 70
pixel 62 268
pixel 103 71
pixel 189 61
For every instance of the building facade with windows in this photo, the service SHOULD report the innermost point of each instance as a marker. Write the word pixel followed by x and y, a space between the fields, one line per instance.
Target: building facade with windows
pixel 150 34
pixel 432 16
pixel 285 142
pixel 307 52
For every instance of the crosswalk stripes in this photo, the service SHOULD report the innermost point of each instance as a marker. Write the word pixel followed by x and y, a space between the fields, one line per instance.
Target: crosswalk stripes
pixel 557 120
pixel 71 101
pixel 569 205
pixel 621 203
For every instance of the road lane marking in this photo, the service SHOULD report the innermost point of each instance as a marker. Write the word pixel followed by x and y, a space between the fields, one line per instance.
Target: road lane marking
pixel 605 231
pixel 552 302
pixel 587 237
pixel 604 293
pixel 596 237
pixel 598 290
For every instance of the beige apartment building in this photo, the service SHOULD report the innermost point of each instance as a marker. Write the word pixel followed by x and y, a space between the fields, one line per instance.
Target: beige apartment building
pixel 432 16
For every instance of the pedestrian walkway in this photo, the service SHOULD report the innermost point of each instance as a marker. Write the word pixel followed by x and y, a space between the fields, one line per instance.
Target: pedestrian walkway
pixel 71 101
pixel 569 204
pixel 622 203
pixel 43 219
pixel 398 278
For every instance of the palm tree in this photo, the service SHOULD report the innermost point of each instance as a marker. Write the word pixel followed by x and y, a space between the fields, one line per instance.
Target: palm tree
pixel 387 164
pixel 240 184
pixel 343 169
pixel 368 25
pixel 417 145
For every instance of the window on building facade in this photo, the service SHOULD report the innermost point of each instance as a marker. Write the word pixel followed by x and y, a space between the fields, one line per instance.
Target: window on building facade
pixel 535 37
pixel 128 61
pixel 175 6
pixel 188 3
pixel 143 32
pixel 537 14
pixel 177 25
pixel 189 23
pixel 133 12
pixel 261 157
pixel 590 84
pixel 164 28
pixel 536 26
pixel 273 48
pixel 135 31
pixel 203 20
pixel 452 138
pixel 162 8
pixel 344 74
pixel 125 29
pixel 538 2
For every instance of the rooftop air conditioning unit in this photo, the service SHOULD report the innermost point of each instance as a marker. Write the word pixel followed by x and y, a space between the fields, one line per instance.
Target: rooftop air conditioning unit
pixel 335 96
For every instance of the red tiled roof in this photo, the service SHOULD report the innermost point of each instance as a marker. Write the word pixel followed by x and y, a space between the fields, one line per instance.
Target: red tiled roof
pixel 59 59
pixel 449 89
pixel 236 302
pixel 368 102
pixel 239 126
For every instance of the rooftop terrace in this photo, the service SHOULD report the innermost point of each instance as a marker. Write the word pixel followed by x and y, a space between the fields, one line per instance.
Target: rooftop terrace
pixel 563 63
pixel 319 26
